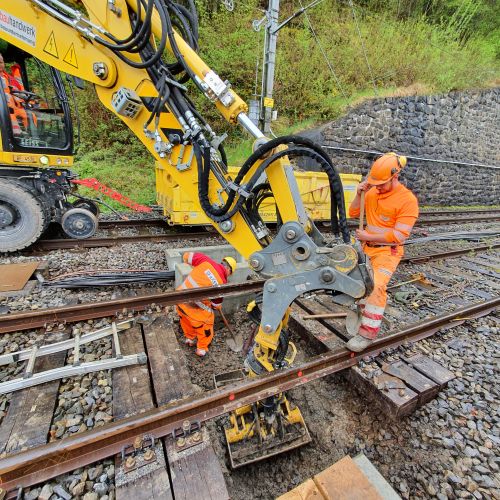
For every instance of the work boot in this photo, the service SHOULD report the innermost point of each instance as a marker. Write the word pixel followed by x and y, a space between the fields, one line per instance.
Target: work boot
pixel 189 342
pixel 358 343
pixel 201 352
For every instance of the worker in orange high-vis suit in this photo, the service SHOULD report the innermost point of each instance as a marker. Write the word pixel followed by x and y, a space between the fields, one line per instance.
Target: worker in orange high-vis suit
pixel 197 318
pixel 391 211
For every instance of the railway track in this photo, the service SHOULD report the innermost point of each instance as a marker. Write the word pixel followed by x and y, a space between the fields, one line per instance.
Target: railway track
pixel 46 245
pixel 130 305
pixel 44 462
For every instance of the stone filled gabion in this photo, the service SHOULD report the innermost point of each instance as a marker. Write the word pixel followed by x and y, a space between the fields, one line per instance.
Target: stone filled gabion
pixel 459 126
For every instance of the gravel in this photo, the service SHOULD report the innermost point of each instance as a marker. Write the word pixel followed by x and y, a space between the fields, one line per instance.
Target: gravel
pixel 447 449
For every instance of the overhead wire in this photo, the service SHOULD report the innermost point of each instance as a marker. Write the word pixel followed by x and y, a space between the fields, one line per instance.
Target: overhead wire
pixel 320 46
pixel 363 45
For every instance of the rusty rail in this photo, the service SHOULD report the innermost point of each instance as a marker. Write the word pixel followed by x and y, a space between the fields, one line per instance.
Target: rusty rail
pixel 44 462
pixel 82 312
pixel 449 253
pixel 60 244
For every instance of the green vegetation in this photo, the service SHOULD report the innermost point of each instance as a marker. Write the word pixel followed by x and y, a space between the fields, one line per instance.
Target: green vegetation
pixel 412 46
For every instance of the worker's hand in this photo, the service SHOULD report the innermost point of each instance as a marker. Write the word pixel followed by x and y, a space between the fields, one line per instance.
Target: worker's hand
pixel 217 307
pixel 363 186
pixel 362 235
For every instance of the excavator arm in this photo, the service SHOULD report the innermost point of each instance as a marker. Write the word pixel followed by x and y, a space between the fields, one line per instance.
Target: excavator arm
pixel 141 66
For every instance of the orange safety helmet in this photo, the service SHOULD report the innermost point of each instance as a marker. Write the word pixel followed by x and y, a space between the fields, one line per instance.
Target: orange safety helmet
pixel 385 168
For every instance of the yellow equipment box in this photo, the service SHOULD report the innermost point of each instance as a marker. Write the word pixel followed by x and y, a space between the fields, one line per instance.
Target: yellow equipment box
pixel 313 186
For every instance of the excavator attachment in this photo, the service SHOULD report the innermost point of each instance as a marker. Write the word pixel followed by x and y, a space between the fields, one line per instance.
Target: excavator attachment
pixel 263 429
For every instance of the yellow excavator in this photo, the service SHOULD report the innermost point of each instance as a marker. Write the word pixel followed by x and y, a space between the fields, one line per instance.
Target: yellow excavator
pixel 141 56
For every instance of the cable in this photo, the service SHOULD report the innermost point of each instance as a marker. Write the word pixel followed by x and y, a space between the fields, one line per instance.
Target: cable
pixel 363 45
pixel 318 43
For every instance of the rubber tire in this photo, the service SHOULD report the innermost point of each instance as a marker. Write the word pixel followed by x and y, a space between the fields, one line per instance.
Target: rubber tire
pixel 32 217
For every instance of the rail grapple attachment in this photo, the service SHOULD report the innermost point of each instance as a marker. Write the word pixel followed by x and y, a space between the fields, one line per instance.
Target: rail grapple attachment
pixel 265 429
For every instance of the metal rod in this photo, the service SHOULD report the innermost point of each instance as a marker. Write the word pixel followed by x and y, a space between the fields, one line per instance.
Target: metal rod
pixel 44 462
pixel 76 352
pixel 116 341
pixel 70 371
pixel 250 126
pixel 40 318
pixel 31 363
pixel 418 158
pixel 64 345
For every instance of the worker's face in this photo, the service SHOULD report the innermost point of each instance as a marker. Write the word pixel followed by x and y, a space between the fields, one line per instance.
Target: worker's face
pixel 386 187
pixel 228 267
pixel 2 64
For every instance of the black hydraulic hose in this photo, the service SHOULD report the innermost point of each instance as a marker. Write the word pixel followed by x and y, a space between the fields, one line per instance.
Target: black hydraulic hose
pixel 143 33
pixel 310 150
pixel 134 27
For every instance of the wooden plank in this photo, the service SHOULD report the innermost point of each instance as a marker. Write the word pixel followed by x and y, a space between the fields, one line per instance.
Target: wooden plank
pixel 321 337
pixel 426 388
pixel 14 276
pixel 132 394
pixel 195 471
pixel 345 481
pixel 390 401
pixel 314 306
pixel 305 491
pixel 431 369
pixel 28 419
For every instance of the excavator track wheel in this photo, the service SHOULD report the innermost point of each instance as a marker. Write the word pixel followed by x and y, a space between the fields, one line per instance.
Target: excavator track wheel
pixel 22 218
pixel 79 223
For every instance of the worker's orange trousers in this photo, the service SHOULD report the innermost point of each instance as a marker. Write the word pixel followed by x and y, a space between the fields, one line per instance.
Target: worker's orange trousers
pixel 200 330
pixel 384 261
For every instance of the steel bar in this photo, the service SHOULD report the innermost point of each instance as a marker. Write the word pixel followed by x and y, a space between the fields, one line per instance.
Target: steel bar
pixel 44 462
pixel 82 312
pixel 449 253
pixel 57 244
pixel 14 357
pixel 71 371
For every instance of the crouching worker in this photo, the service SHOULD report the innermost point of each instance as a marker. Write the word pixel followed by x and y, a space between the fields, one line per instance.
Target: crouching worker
pixel 391 211
pixel 197 318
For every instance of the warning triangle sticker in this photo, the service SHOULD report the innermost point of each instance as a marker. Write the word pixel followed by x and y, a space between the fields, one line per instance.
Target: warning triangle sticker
pixel 51 47
pixel 70 56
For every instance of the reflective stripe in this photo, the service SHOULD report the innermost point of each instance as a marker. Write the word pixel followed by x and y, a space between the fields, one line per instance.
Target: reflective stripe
pixel 385 271
pixel 399 235
pixel 370 315
pixel 192 281
pixel 374 323
pixel 377 229
pixel 374 309
pixel 201 305
pixel 404 227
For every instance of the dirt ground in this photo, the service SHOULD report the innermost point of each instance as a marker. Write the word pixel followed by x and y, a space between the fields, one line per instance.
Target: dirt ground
pixel 408 453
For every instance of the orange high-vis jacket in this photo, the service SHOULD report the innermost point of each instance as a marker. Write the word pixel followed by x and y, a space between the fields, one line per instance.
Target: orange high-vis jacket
pixel 393 214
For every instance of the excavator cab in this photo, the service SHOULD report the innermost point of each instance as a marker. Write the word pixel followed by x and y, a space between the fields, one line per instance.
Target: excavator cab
pixel 36 151
pixel 35 114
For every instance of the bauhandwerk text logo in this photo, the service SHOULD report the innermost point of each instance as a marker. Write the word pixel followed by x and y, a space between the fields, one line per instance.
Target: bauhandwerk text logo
pixel 17 28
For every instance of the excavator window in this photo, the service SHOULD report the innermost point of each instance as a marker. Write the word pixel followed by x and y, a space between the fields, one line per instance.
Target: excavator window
pixel 35 99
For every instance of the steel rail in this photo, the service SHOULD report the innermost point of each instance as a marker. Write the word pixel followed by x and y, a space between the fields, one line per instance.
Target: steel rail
pixel 448 253
pixel 82 312
pixel 44 462
pixel 158 222
pixel 60 244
